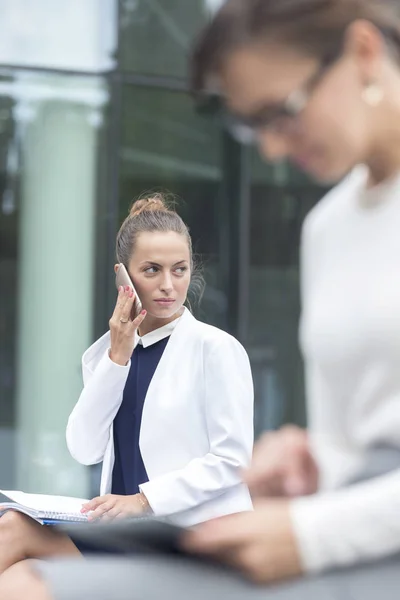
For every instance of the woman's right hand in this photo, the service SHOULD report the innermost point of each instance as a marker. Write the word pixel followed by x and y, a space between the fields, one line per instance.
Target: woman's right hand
pixel 283 465
pixel 122 328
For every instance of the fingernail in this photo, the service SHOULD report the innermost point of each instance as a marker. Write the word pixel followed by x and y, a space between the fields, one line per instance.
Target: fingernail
pixel 127 288
pixel 130 294
pixel 144 312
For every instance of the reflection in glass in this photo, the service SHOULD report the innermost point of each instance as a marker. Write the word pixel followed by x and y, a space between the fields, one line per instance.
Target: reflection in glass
pixel 280 199
pixel 156 36
pixel 166 146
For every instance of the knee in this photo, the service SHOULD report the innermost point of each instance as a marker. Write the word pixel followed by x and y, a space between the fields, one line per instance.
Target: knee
pixel 20 582
pixel 12 524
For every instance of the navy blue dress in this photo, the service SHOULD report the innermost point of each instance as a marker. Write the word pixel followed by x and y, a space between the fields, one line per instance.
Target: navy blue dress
pixel 129 471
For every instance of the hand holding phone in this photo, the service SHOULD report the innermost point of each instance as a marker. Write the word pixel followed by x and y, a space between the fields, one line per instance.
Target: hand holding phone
pixel 126 319
pixel 122 279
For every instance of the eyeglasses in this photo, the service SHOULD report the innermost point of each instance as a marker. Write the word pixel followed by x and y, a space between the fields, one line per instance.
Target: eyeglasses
pixel 280 119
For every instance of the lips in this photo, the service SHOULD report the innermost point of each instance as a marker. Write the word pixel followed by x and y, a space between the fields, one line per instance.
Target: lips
pixel 307 161
pixel 302 162
pixel 165 301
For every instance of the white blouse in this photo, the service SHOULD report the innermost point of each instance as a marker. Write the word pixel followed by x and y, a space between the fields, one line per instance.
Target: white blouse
pixel 350 336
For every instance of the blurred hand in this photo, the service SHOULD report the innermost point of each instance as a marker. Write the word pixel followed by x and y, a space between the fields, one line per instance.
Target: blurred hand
pixel 260 544
pixel 111 507
pixel 122 328
pixel 283 465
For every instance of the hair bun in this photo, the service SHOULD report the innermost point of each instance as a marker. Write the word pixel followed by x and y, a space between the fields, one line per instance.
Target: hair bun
pixel 153 203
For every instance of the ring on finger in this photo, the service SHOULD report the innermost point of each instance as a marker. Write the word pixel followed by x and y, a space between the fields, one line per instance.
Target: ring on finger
pixel 124 320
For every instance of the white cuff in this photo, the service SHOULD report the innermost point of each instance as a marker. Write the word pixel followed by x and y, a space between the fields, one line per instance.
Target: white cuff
pixel 112 364
pixel 305 527
pixel 350 525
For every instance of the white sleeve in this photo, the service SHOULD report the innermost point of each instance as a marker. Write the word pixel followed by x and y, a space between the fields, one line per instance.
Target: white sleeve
pixel 88 429
pixel 347 526
pixel 229 417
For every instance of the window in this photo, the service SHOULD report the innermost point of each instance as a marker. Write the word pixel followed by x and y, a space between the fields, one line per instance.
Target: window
pixel 156 36
pixel 165 145
pixel 280 199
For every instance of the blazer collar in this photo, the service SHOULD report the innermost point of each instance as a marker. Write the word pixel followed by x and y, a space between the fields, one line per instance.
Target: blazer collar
pixel 94 354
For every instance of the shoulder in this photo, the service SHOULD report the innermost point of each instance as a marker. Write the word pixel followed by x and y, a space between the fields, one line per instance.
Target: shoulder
pixel 214 339
pixel 332 208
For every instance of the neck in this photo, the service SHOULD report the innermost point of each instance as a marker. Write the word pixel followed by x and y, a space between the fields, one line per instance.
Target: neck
pixel 384 159
pixel 152 323
pixel 384 164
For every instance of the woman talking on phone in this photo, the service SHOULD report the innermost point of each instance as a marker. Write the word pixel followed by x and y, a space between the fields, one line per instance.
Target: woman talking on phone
pixel 168 401
pixel 167 404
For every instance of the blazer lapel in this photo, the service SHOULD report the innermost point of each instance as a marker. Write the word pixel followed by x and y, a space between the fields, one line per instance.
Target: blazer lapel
pixel 176 357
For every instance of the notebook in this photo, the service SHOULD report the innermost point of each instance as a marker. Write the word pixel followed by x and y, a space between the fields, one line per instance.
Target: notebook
pixel 47 510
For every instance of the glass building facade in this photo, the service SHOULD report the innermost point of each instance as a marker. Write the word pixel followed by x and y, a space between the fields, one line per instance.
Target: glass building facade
pixel 94 110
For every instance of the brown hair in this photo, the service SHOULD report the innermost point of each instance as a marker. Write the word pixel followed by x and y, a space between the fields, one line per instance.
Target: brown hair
pixel 150 213
pixel 315 27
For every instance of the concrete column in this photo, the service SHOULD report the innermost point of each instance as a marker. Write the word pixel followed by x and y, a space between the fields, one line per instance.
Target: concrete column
pixel 58 118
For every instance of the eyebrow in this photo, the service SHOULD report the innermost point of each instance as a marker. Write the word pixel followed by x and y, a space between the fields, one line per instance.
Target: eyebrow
pixel 155 264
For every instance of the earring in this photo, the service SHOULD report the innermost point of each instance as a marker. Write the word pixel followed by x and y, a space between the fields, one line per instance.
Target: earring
pixel 372 95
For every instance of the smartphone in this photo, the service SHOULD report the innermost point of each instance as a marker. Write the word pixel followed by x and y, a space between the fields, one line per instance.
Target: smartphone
pixel 122 278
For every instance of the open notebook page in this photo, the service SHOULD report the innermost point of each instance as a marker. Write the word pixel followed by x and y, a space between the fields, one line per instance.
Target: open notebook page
pixel 45 503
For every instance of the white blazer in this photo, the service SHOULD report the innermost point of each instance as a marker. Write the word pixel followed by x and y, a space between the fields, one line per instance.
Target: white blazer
pixel 197 424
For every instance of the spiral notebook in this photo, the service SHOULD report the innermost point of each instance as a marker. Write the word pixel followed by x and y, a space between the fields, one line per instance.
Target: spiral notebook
pixel 47 510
